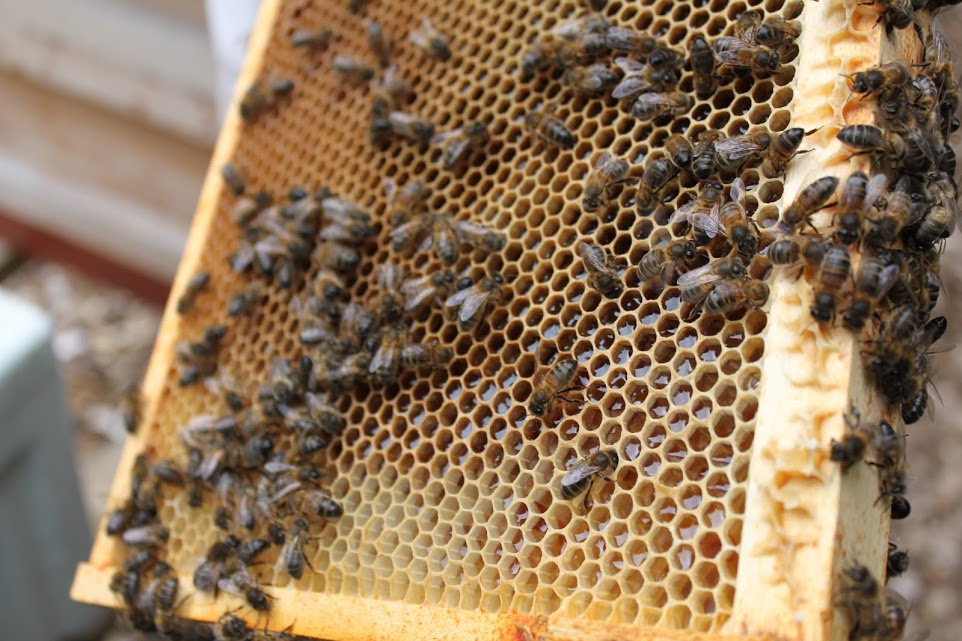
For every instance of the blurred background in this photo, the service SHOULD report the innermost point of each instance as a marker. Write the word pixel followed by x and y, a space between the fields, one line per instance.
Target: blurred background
pixel 110 111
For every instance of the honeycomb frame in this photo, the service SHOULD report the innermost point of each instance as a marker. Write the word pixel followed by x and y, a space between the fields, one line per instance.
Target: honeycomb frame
pixel 783 442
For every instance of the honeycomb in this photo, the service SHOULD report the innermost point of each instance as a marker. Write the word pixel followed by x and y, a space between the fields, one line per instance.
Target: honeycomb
pixel 450 490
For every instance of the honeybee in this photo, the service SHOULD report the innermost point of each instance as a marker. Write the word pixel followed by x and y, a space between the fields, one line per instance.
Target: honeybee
pixel 729 220
pixel 589 23
pixel 732 153
pixel 893 470
pixel 592 80
pixel 555 383
pixel 807 202
pixel 736 54
pixel 248 207
pixel 146 536
pixel 388 91
pixel 729 267
pixel 631 41
pixel 680 151
pixel 430 354
pixel 859 595
pixel 896 562
pixel 131 408
pixel 457 145
pixel 703 163
pixel 873 282
pixel 909 150
pixel 858 197
pixel 782 149
pixel 649 106
pixel 895 614
pixel 729 295
pixel 389 278
pixel 243 302
pixel 350 232
pixel 311 39
pixel 885 80
pixel 319 503
pixel 234 178
pixel 405 201
pixel 702 58
pixel 796 250
pixel 344 375
pixel 641 78
pixel 851 448
pixel 387 359
pixel 940 220
pixel 578 479
pixel 473 301
pixel 656 175
pixel 410 127
pixel 241 584
pixel 832 276
pixel 771 32
pixel 710 195
pixel 261 96
pixel 601 269
pixel 607 172
pixel 199 358
pixel 230 627
pixel 292 559
pixel 420 292
pixel 430 40
pixel 380 44
pixel 549 128
pixel 352 70
pixel 335 256
pixel 679 254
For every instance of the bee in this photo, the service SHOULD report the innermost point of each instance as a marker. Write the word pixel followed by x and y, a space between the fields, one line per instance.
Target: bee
pixel 939 221
pixel 656 175
pixel 702 58
pixel 832 276
pixel 736 54
pixel 896 562
pixel 710 195
pixel 242 585
pixel 807 202
pixel 457 145
pixel 885 80
pixel 389 279
pixel 889 453
pixel 729 295
pixel 853 445
pixel 679 254
pixel 315 40
pixel 910 150
pixel 732 153
pixel 729 220
pixel 592 80
pixel 607 172
pixel 472 302
pixel 703 163
pixel 631 41
pixel 213 566
pixel 895 614
pixel 649 106
pixel 405 201
pixel 234 178
pixel 387 359
pixel 420 292
pixel 578 479
pixel 319 503
pixel 680 151
pixel 429 354
pixel 199 358
pixel 554 385
pixel 858 197
pixel 248 207
pixel 261 96
pixel 335 256
pixel 873 282
pixel 478 235
pixel 291 558
pixel 859 595
pixel 430 41
pixel 243 302
pixel 131 408
pixel 146 536
pixel 406 126
pixel 771 32
pixel 352 70
pixel 231 628
pixel 349 232
pixel 886 226
pixel 579 27
pixel 549 128
pixel 782 149
pixel 345 374
pixel 641 78
pixel 601 269
pixel 426 232
pixel 380 44
pixel 730 267
pixel 388 91
pixel 797 249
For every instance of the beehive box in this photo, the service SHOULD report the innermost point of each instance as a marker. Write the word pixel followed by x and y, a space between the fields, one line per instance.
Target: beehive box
pixel 725 517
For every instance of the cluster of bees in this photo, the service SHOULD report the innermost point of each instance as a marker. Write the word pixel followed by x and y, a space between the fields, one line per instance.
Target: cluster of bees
pixel 254 460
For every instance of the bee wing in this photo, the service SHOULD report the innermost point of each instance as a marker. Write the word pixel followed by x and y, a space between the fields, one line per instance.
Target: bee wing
pixel 681 214
pixel 390 189
pixel 410 229
pixel 887 279
pixel 475 300
pixel 629 65
pixel 458 297
pixel 731 48
pixel 700 276
pixel 876 187
pixel 467 228
pixel 580 470
pixel 594 258
pixel 603 159
pixel 706 222
pixel 738 190
pixel 630 86
pixel 384 357
pixel 737 148
pixel 420 37
pixel 441 137
pixel 417 298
